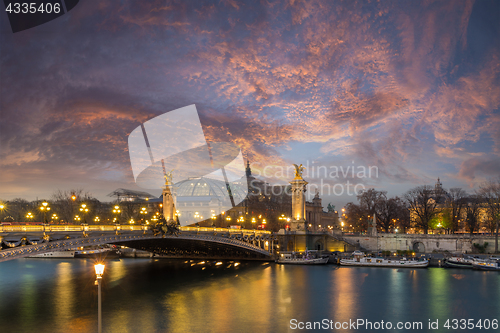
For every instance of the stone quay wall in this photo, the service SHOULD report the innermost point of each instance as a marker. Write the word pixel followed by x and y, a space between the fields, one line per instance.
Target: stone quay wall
pixel 462 243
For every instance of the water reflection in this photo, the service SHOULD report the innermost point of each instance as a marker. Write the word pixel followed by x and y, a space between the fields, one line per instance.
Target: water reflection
pixel 28 302
pixel 64 295
pixel 438 292
pixel 144 295
pixel 345 297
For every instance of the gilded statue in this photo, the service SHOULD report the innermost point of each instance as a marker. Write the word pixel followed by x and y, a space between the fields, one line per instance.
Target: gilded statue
pixel 168 177
pixel 298 171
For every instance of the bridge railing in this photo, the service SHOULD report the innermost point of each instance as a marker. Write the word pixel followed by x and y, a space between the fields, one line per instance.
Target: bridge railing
pixel 113 227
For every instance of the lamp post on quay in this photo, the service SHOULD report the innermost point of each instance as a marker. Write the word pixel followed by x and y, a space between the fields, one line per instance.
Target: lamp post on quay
pixel 99 270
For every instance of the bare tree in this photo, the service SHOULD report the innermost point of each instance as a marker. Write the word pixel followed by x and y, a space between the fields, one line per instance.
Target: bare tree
pixel 472 210
pixel 403 216
pixel 424 202
pixel 356 216
pixel 67 203
pixel 455 205
pixel 18 208
pixel 388 211
pixel 371 199
pixel 490 192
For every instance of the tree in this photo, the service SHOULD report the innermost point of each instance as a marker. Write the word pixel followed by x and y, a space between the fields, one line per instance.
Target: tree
pixel 424 202
pixel 370 200
pixel 403 216
pixel 454 207
pixel 18 208
pixel 387 212
pixel 356 216
pixel 490 192
pixel 67 203
pixel 472 210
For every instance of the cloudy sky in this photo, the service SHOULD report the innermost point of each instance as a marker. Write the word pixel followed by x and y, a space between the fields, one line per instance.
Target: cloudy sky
pixel 410 87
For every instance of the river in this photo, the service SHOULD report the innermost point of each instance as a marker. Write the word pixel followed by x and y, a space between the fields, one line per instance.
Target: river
pixel 159 295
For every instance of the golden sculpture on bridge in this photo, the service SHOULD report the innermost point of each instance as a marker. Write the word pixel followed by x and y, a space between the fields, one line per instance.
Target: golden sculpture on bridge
pixel 298 171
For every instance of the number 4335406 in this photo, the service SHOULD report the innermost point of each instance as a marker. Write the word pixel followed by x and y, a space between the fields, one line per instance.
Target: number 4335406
pixel 32 8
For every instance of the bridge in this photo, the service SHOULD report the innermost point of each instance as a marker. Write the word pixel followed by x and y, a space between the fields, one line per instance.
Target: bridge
pixel 18 241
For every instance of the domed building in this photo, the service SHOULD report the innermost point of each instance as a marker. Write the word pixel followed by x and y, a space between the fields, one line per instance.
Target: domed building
pixel 202 198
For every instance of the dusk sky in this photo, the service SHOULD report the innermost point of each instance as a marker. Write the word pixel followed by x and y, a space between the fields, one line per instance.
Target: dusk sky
pixel 411 87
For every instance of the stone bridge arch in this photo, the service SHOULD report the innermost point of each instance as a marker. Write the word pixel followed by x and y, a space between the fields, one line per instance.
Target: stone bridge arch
pixel 188 245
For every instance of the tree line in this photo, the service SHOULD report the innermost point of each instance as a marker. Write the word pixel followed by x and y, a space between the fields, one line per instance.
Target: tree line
pixel 75 207
pixel 425 208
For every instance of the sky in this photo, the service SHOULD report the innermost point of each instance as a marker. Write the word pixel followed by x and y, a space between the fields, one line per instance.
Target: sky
pixel 410 89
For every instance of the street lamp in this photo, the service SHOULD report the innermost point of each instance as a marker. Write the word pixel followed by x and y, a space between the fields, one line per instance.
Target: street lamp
pixel 2 207
pixel 54 217
pixel 45 208
pixel 29 216
pixel 84 211
pixel 99 270
pixel 116 211
pixel 143 212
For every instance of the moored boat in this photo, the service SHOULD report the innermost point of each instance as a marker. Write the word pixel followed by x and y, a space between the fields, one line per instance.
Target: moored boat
pixel 55 254
pixel 360 260
pixel 486 265
pixel 297 259
pixel 458 262
pixel 96 253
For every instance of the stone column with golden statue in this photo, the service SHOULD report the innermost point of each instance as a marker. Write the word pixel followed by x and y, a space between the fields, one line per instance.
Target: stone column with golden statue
pixel 298 222
pixel 168 198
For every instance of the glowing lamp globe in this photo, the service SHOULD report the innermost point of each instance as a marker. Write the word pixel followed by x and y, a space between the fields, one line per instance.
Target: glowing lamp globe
pixel 99 269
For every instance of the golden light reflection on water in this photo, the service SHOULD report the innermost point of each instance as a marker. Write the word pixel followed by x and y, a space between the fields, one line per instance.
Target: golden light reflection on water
pixel 64 294
pixel 284 296
pixel 116 271
pixel 221 304
pixel 345 296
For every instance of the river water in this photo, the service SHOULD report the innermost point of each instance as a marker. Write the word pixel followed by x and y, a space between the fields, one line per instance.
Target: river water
pixel 158 295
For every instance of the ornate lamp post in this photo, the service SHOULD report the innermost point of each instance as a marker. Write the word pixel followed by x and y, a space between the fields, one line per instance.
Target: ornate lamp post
pixel 29 216
pixel 143 213
pixel 84 209
pixel 99 270
pixel 116 211
pixel 45 208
